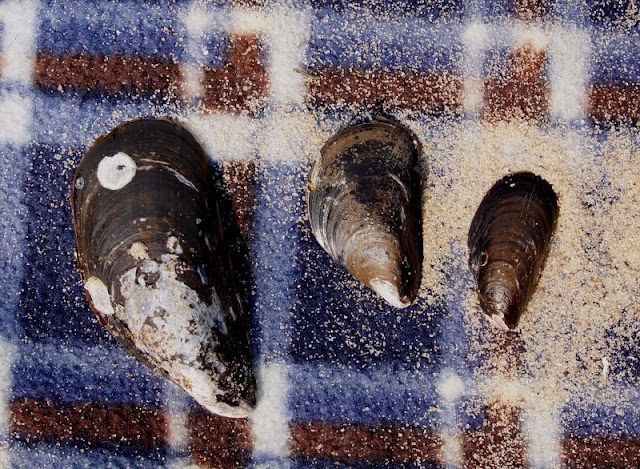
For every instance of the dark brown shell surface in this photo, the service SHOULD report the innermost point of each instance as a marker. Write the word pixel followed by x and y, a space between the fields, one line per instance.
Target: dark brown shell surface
pixel 363 203
pixel 508 243
pixel 151 251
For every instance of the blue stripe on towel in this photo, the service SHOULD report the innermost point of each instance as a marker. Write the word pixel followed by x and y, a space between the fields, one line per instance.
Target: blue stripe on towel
pixel 384 395
pixel 614 412
pixel 52 304
pixel 275 229
pixel 453 337
pixel 433 11
pixel 149 29
pixel 608 13
pixel 614 57
pixel 76 119
pixel 13 166
pixel 76 371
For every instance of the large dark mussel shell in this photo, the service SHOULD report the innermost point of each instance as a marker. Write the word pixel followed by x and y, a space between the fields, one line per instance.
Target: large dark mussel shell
pixel 508 244
pixel 363 202
pixel 151 252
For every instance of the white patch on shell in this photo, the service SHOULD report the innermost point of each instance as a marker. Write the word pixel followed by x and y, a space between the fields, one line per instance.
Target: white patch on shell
pixel 202 273
pixel 175 328
pixel 197 382
pixel 115 172
pixel 389 292
pixel 99 296
pixel 139 251
pixel 150 267
pixel 313 175
pixel 405 192
pixel 182 179
pixel 379 254
pixel 173 245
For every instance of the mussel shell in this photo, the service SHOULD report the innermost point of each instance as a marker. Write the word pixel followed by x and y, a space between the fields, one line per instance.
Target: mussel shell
pixel 151 250
pixel 508 243
pixel 363 203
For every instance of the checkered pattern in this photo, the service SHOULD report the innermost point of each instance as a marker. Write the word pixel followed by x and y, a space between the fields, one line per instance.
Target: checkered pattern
pixel 345 381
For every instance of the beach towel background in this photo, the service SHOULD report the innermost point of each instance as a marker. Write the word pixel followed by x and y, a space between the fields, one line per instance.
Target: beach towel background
pixel 344 380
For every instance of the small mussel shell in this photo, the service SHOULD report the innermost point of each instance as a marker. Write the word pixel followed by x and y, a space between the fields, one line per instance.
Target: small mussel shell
pixel 151 252
pixel 363 203
pixel 508 244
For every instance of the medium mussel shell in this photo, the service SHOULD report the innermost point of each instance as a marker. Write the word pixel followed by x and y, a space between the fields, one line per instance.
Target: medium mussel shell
pixel 363 203
pixel 152 254
pixel 508 244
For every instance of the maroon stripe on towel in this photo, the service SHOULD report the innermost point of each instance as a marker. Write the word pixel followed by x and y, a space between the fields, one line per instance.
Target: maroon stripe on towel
pixel 431 93
pixel 93 423
pixel 110 73
pixel 601 451
pixel 617 103
pixel 241 84
pixel 239 178
pixel 226 443
pixel 500 441
pixel 356 443
pixel 218 442
pixel 521 90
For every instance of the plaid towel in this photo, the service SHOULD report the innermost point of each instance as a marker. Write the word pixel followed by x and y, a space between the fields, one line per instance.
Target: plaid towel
pixel 344 380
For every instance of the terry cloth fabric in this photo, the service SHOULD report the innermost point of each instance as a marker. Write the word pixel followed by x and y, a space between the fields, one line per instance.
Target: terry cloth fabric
pixel 344 380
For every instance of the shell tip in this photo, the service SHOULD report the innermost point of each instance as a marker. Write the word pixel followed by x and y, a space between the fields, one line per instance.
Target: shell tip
pixel 389 292
pixel 243 410
pixel 499 322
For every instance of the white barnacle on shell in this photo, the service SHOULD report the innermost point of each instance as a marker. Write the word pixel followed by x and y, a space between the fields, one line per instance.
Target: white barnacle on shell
pixel 173 245
pixel 139 251
pixel 115 172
